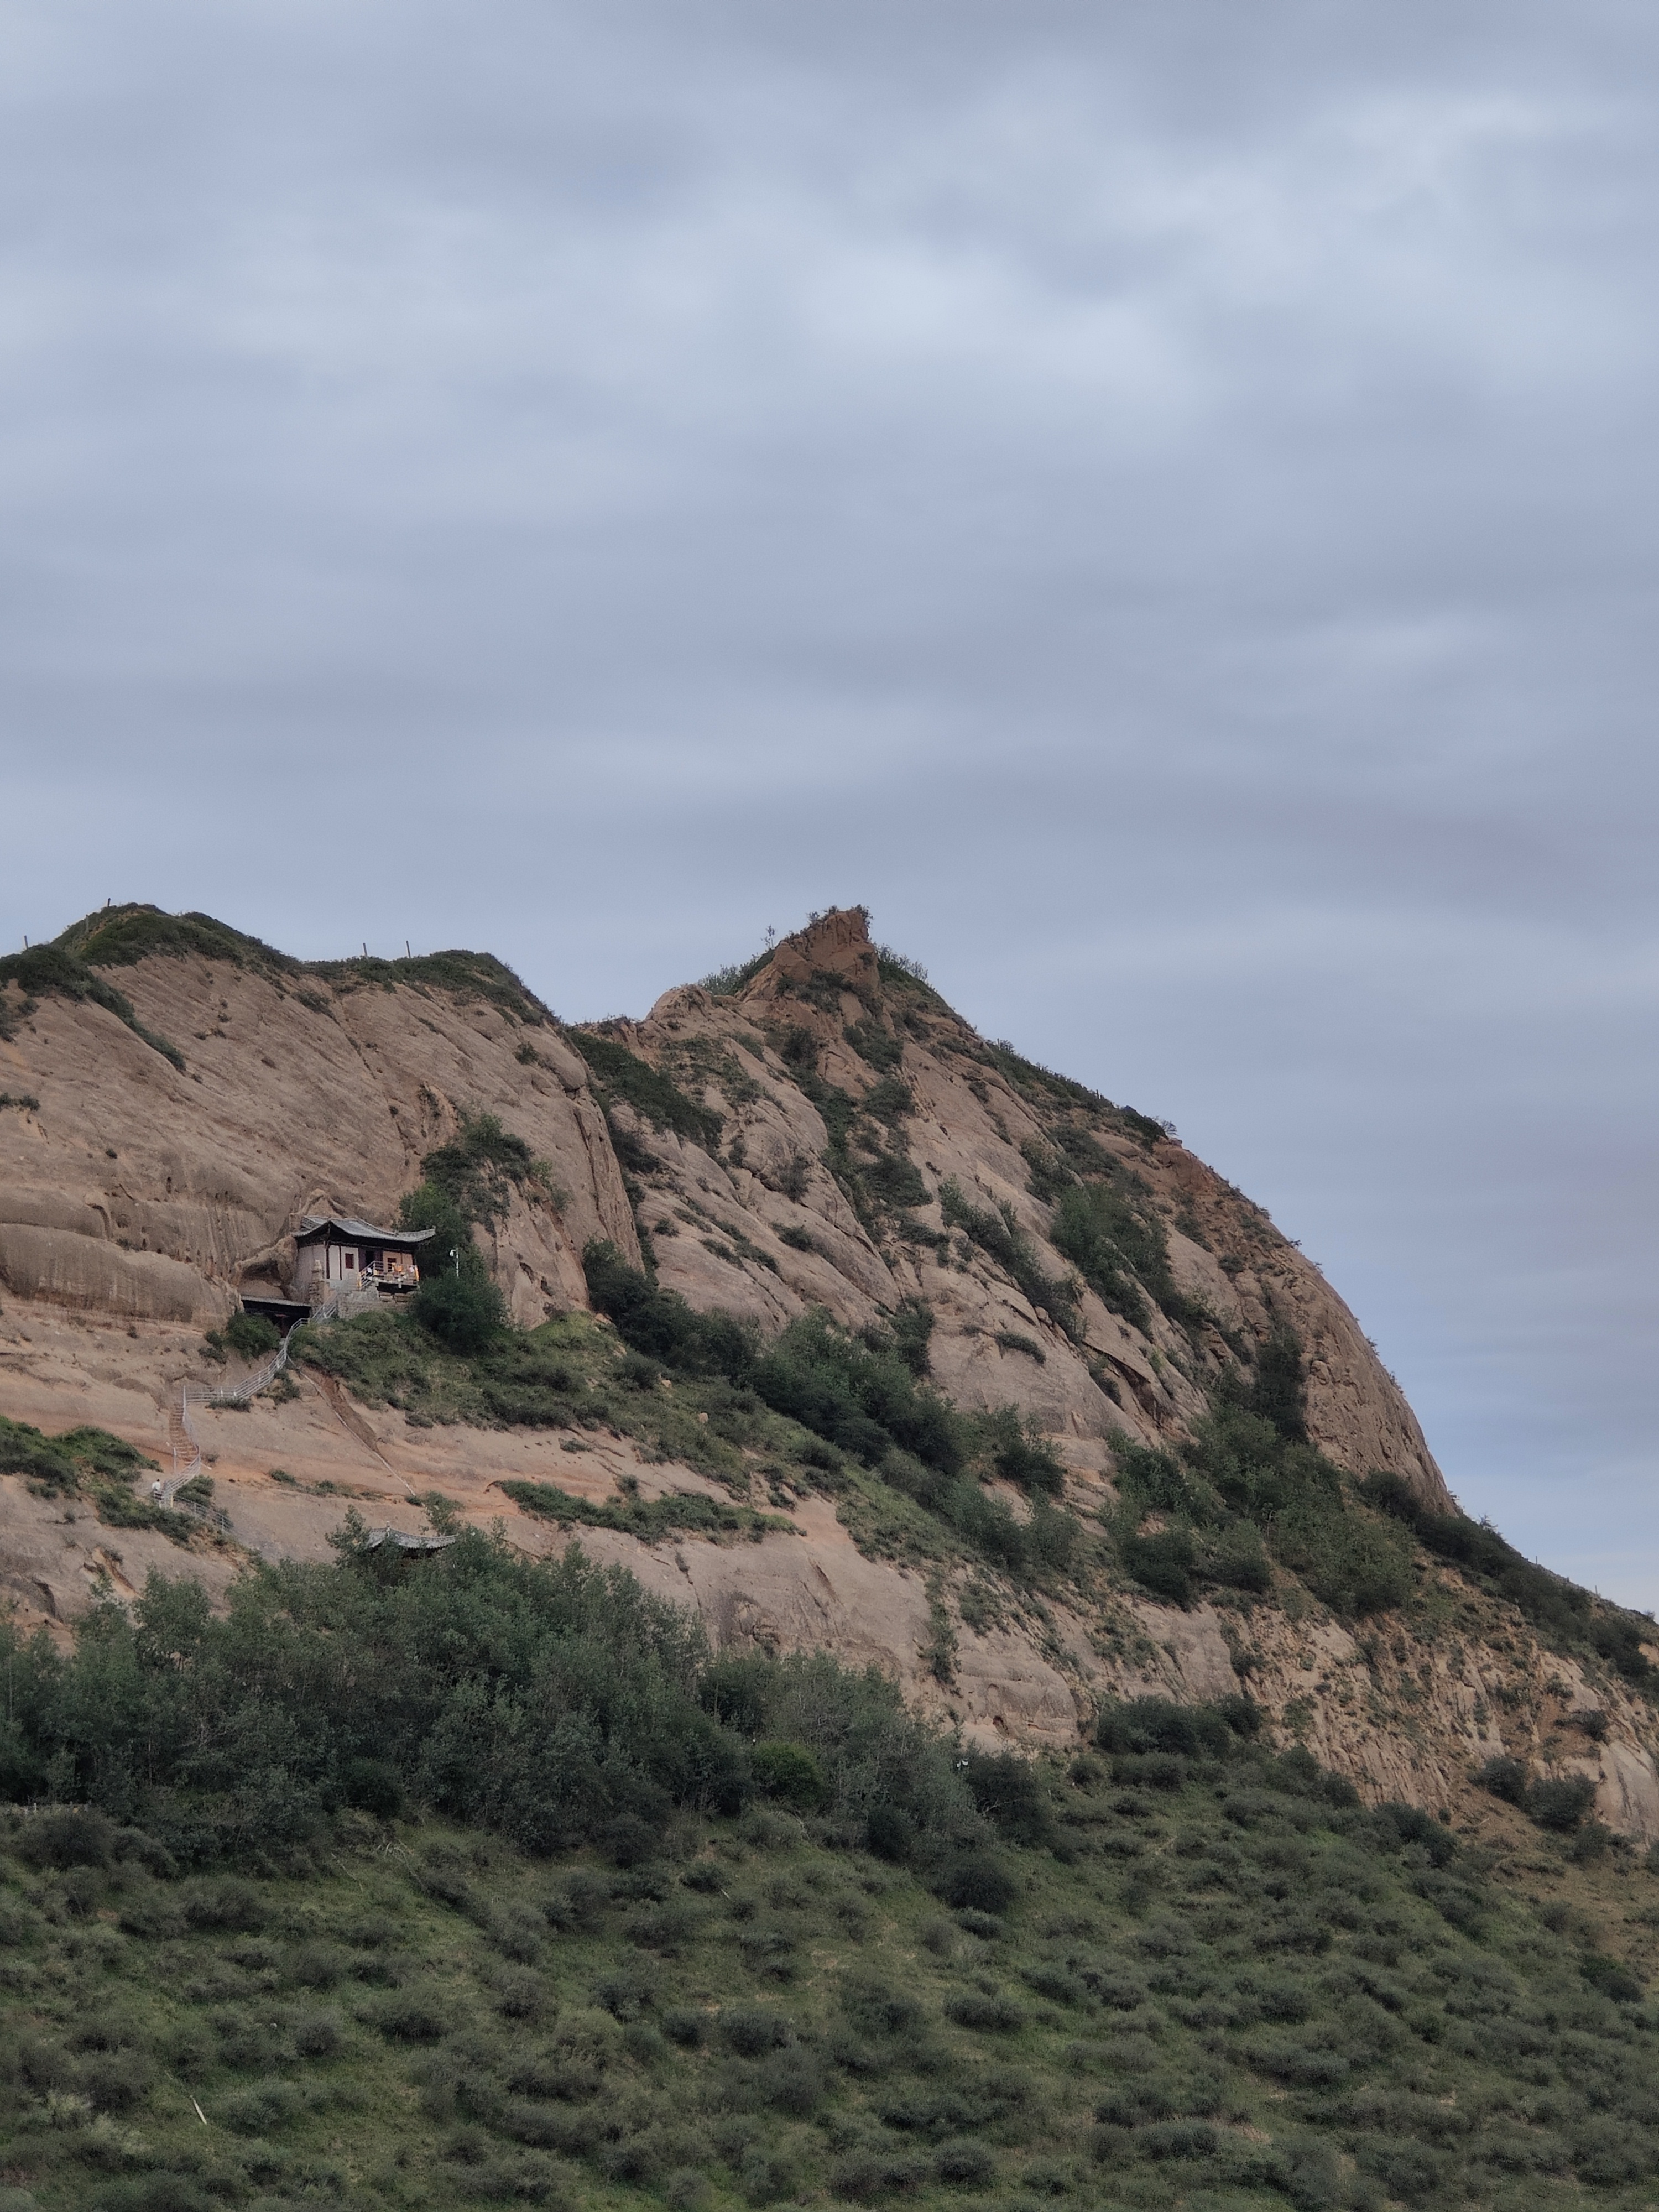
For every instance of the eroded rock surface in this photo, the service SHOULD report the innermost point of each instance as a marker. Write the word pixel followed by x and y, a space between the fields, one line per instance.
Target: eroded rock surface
pixel 135 1189
pixel 863 1130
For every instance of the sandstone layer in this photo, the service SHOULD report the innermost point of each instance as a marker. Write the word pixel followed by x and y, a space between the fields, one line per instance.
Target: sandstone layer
pixel 138 1202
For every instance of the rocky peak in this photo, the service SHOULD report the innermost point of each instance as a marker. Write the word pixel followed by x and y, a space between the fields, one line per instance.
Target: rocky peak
pixel 834 949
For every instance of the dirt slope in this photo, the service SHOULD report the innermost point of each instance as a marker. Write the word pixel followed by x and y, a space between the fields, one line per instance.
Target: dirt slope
pixel 844 1140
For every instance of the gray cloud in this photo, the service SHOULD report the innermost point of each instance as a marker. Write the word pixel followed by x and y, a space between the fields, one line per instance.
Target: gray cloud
pixel 1158 503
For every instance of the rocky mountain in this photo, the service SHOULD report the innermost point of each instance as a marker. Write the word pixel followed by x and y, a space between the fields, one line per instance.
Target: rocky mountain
pixel 1149 1448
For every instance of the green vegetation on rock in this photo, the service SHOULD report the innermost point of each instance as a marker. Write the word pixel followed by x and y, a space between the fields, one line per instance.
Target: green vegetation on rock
pixel 90 1464
pixel 866 1398
pixel 1564 1615
pixel 620 1074
pixel 998 1234
pixel 647 1518
pixel 119 937
pixel 47 971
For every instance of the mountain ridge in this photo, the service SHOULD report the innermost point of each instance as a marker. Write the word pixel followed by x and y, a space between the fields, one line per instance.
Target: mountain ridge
pixel 813 1133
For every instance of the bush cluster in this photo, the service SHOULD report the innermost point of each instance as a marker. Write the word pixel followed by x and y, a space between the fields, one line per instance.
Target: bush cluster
pixel 51 971
pixel 250 1336
pixel 866 1397
pixel 466 1184
pixel 1557 1802
pixel 1562 1613
pixel 1243 1489
pixel 621 1074
pixel 1186 1971
pixel 554 1701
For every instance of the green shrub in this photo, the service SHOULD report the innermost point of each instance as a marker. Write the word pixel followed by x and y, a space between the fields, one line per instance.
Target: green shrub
pixel 866 1401
pixel 1006 1789
pixel 1154 1724
pixel 252 1336
pixel 1242 1478
pixel 415 2016
pixel 661 1324
pixel 727 982
pixel 374 1785
pixel 877 1045
pixel 79 1836
pixel 873 2172
pixel 1411 2171
pixel 1564 1615
pixel 1000 1236
pixel 889 1832
pixel 1410 1824
pixel 976 1880
pixel 465 1313
pixel 1499 2063
pixel 1356 1565
pixel 1280 1392
pixel 227 1907
pixel 791 1773
pixel 1505 1777
pixel 753 2030
pixel 1560 1804
pixel 61 1463
pixel 1110 1243
pixel 552 1700
pixel 1611 1978
pixel 863 1395
pixel 1163 1564
pixel 51 971
pixel 651 1518
pixel 962 2163
pixel 986 2015
pixel 1020 1454
pixel 766 2175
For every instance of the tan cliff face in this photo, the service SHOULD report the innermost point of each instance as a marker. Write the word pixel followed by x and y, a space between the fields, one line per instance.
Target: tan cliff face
pixel 137 1202
pixel 138 1190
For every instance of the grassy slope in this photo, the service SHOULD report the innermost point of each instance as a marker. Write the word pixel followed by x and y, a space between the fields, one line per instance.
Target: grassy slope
pixel 1262 2000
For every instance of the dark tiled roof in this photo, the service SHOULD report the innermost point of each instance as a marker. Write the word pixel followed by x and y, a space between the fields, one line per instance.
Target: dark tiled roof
pixel 402 1541
pixel 360 1232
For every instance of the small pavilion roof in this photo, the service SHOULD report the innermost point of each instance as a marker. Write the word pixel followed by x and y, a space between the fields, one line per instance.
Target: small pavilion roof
pixel 401 1541
pixel 314 1225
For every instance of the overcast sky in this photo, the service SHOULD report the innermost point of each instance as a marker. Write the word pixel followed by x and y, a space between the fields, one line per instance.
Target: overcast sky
pixel 1157 501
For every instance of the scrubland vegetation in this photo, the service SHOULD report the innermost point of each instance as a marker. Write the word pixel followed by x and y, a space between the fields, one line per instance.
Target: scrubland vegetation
pixel 91 1466
pixel 475 1881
